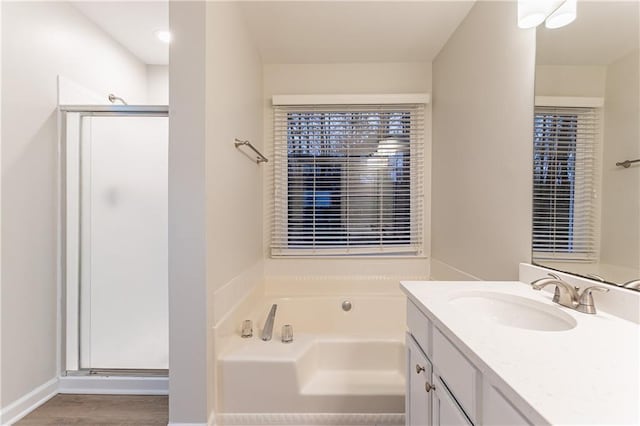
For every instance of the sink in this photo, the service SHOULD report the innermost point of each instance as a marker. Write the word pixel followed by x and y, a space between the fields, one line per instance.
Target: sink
pixel 513 311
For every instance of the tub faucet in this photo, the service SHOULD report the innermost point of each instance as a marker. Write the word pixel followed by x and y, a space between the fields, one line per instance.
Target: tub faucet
pixel 267 330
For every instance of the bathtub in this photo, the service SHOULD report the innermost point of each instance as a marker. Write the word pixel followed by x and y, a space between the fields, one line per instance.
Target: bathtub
pixel 343 367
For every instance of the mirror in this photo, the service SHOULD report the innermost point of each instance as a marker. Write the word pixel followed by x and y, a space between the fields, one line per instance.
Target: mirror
pixel 586 209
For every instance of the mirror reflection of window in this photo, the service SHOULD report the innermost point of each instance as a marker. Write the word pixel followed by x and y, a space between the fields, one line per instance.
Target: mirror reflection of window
pixel 565 173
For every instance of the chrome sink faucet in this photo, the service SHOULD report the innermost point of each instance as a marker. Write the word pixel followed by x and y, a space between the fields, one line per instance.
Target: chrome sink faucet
pixel 267 330
pixel 567 295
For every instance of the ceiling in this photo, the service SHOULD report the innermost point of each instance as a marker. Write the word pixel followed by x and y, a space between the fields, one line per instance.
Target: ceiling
pixel 352 31
pixel 132 24
pixel 302 31
pixel 372 31
pixel 603 32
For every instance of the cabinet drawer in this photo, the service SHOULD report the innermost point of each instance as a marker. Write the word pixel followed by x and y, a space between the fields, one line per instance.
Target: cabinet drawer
pixel 419 327
pixel 457 372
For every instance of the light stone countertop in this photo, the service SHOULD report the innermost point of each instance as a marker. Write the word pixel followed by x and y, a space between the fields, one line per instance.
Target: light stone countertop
pixel 589 374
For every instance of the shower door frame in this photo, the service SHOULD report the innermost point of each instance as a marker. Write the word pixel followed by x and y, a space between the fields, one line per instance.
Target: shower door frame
pixel 70 225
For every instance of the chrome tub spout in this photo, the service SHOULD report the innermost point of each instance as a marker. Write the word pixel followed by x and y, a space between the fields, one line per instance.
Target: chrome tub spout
pixel 267 330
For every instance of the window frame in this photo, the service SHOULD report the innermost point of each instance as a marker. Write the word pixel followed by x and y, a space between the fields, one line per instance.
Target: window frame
pixel 566 104
pixel 418 217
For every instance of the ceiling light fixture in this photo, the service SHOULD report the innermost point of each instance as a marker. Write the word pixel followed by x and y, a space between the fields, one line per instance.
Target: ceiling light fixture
pixel 557 13
pixel 564 15
pixel 163 35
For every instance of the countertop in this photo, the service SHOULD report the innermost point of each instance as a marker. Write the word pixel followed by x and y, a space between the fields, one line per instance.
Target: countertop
pixel 589 374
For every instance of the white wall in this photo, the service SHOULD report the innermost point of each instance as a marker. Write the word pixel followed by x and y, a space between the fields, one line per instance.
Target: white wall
pixel 621 187
pixel 234 110
pixel 1 396
pixel 41 40
pixel 361 78
pixel 483 92
pixel 188 356
pixel 234 180
pixel 157 85
pixel 215 192
pixel 571 80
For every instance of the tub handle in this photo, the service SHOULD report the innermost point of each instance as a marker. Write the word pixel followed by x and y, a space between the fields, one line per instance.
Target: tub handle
pixel 419 369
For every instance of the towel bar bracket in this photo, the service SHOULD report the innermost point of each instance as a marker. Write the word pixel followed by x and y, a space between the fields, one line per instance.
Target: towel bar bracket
pixel 627 163
pixel 260 159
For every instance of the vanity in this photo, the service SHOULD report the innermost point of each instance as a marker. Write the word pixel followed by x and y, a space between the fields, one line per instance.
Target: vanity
pixel 499 353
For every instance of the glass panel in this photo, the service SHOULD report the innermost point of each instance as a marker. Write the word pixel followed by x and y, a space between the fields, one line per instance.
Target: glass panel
pixel 124 287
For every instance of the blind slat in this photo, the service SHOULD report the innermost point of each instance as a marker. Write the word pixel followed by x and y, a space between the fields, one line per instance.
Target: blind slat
pixel 565 179
pixel 348 179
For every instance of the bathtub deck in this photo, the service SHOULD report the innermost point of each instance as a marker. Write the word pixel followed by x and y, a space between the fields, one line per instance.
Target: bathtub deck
pixel 314 374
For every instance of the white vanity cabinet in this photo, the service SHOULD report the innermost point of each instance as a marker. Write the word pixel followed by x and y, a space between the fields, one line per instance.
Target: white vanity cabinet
pixel 419 385
pixel 443 386
pixel 446 411
pixel 495 361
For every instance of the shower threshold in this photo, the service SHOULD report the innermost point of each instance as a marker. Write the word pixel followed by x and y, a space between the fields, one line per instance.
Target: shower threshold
pixel 115 381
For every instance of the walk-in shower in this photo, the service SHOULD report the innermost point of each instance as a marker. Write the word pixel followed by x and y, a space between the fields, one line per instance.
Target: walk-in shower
pixel 114 163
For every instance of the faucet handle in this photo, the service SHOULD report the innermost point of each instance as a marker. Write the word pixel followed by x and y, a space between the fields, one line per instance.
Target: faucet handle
pixel 585 303
pixel 635 284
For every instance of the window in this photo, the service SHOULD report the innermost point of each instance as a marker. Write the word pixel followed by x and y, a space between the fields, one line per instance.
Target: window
pixel 348 180
pixel 565 176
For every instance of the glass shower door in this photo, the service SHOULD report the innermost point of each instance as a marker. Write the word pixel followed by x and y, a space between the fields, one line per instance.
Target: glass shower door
pixel 123 279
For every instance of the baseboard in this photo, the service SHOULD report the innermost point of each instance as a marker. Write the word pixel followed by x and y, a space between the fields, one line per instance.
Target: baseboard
pixel 114 385
pixel 187 424
pixel 29 402
pixel 310 419
pixel 210 422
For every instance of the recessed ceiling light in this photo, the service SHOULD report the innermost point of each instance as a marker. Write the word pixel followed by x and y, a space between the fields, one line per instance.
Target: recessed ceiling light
pixel 163 35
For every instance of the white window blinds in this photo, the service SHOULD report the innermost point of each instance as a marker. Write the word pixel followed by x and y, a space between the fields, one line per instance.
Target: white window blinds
pixel 565 179
pixel 348 180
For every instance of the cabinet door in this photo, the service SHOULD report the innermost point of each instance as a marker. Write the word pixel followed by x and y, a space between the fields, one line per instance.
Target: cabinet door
pixel 446 411
pixel 419 372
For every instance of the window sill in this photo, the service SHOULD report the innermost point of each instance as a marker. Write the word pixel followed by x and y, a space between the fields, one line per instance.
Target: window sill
pixel 348 257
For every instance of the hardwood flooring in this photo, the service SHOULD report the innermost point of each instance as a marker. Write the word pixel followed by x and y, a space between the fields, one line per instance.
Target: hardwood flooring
pixel 100 410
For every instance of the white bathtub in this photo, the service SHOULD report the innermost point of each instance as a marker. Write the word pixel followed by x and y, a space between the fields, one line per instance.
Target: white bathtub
pixel 340 363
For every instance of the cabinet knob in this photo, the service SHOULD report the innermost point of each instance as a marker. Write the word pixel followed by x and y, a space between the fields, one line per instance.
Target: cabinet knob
pixel 419 368
pixel 429 387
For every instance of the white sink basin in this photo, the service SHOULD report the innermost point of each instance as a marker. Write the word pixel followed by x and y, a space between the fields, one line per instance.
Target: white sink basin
pixel 513 311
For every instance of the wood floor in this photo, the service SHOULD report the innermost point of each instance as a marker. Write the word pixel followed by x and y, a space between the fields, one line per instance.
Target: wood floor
pixel 101 410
